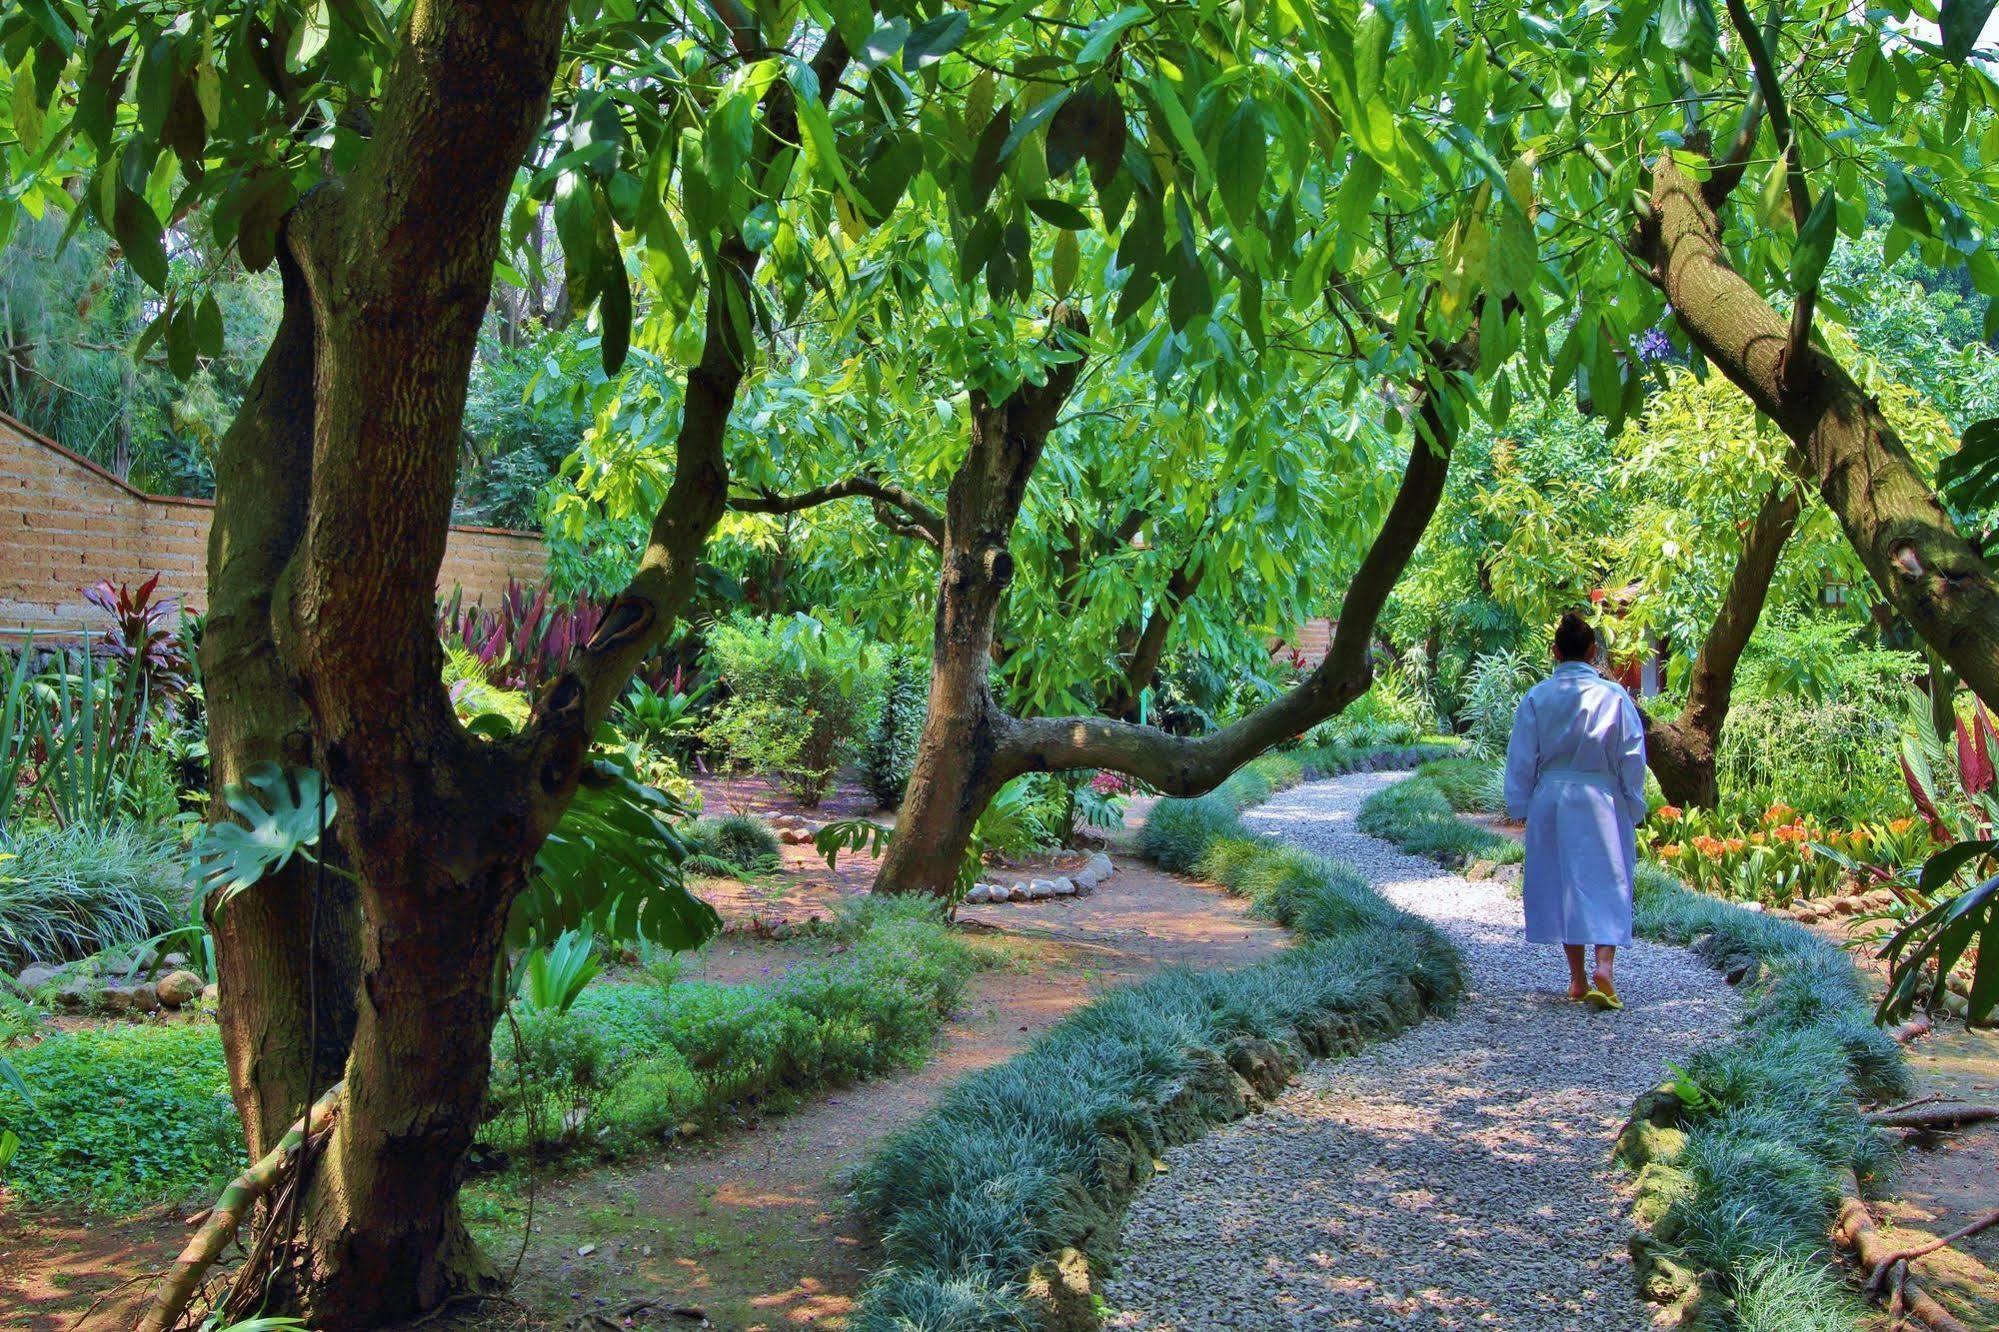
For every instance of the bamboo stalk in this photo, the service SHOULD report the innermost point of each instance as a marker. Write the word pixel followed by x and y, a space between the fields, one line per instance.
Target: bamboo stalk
pixel 183 1279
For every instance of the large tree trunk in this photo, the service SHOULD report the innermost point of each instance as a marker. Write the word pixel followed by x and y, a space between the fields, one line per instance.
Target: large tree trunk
pixel 289 966
pixel 1922 565
pixel 954 776
pixel 1682 752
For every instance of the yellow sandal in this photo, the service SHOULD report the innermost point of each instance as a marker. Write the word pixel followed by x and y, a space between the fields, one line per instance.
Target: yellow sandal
pixel 1602 1000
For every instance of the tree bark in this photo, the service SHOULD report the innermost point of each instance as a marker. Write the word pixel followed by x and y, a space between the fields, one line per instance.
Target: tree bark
pixel 1149 646
pixel 1682 752
pixel 273 1009
pixel 955 773
pixel 1923 566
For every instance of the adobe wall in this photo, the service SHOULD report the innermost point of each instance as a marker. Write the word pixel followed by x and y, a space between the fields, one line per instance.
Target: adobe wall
pixel 66 522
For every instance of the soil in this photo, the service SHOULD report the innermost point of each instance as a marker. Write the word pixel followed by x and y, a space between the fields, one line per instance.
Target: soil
pixel 752 1230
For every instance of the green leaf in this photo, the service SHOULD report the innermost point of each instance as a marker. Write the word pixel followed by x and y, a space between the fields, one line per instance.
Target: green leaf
pixel 1032 121
pixel 139 232
pixel 27 109
pixel 208 326
pixel 983 173
pixel 1060 214
pixel 1961 21
pixel 284 811
pixel 1244 163
pixel 1969 478
pixel 1067 260
pixel 1903 201
pixel 1104 34
pixel 932 41
pixel 1814 247
pixel 616 308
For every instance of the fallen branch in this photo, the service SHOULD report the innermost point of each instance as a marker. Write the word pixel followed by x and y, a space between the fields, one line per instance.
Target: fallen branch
pixel 184 1278
pixel 1855 1229
pixel 1934 1118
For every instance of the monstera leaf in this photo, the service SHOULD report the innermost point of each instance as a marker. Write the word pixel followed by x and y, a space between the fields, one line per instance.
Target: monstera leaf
pixel 613 865
pixel 284 810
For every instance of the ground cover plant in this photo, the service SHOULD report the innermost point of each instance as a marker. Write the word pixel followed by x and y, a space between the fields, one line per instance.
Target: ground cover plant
pixel 997 1204
pixel 133 1115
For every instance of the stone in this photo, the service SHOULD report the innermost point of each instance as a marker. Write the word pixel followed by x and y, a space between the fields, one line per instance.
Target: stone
pixel 1017 893
pixel 141 998
pixel 210 994
pixel 1058 1289
pixel 1041 889
pixel 1480 869
pixel 792 836
pixel 174 961
pixel 1100 864
pixel 35 975
pixel 79 994
pixel 178 988
pixel 1065 888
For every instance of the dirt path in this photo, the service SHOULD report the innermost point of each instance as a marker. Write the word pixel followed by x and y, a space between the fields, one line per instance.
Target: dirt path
pixel 755 1231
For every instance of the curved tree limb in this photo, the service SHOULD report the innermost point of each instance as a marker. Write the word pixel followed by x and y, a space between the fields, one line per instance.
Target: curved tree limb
pixel 917 518
pixel 1858 462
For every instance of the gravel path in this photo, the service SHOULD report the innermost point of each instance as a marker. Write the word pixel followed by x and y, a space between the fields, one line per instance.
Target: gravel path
pixel 1456 1177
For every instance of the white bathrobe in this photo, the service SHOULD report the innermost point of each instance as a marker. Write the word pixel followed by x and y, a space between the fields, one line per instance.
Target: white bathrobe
pixel 1575 771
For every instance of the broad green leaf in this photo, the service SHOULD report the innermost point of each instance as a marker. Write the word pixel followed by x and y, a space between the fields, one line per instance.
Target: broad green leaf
pixel 1969 478
pixel 1060 214
pixel 1104 34
pixel 1814 247
pixel 930 42
pixel 1244 162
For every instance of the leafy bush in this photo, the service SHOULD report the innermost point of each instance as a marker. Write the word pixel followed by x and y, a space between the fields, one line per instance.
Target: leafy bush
pixel 71 892
pixel 736 845
pixel 1834 759
pixel 898 725
pixel 1493 690
pixel 801 696
pixel 1045 1150
pixel 123 1117
pixel 628 1062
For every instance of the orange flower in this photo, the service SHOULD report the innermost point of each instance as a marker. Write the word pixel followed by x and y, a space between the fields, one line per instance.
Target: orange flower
pixel 1900 826
pixel 1778 813
pixel 1733 844
pixel 1671 851
pixel 1667 814
pixel 1756 839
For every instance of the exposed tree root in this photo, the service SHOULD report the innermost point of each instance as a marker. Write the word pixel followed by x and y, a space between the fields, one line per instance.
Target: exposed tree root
pixel 183 1280
pixel 1934 1118
pixel 1890 1279
pixel 1910 1030
pixel 1877 1279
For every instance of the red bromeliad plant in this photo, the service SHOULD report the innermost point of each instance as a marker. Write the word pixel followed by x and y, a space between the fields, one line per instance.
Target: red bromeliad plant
pixel 524 643
pixel 144 628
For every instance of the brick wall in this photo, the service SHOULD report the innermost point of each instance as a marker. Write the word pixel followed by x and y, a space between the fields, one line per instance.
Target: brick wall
pixel 65 523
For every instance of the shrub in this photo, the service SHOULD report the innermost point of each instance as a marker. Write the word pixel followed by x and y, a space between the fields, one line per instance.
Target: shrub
pixel 628 1062
pixel 802 694
pixel 1497 683
pixel 1471 786
pixel 898 725
pixel 1834 759
pixel 74 891
pixel 738 843
pixel 123 1117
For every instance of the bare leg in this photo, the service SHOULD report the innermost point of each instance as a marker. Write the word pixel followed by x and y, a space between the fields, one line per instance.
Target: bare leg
pixel 1606 960
pixel 1577 985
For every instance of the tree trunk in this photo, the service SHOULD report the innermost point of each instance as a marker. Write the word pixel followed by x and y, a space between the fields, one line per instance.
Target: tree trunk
pixel 1682 752
pixel 274 1008
pixel 971 747
pixel 954 777
pixel 1149 646
pixel 1924 568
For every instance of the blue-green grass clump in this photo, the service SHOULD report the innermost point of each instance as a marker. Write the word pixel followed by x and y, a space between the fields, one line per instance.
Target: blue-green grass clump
pixel 1043 1153
pixel 1416 815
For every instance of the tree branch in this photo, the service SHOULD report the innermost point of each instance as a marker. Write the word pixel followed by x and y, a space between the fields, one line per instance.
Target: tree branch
pixel 1762 60
pixel 922 521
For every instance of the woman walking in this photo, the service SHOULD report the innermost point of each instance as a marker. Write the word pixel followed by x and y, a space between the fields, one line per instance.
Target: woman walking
pixel 1575 771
